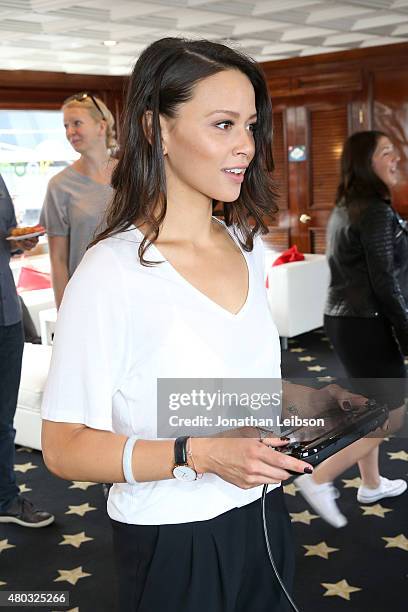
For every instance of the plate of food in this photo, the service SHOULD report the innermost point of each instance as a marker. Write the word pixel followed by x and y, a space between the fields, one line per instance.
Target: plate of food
pixel 24 233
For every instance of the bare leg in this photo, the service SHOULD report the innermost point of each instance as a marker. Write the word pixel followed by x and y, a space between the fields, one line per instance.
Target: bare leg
pixel 369 469
pixel 341 461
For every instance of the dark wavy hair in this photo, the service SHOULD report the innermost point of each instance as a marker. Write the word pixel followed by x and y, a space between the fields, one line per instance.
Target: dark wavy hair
pixel 163 78
pixel 358 182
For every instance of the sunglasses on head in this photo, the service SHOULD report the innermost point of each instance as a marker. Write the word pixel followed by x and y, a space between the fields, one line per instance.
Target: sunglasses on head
pixel 80 97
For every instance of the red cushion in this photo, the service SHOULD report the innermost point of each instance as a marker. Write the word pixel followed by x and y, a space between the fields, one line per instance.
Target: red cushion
pixel 30 279
pixel 292 254
pixel 288 256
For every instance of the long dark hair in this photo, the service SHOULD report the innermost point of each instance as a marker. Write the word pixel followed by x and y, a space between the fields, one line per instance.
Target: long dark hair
pixel 163 78
pixel 359 183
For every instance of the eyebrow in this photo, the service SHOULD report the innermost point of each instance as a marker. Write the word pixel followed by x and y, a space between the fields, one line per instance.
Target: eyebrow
pixel 228 112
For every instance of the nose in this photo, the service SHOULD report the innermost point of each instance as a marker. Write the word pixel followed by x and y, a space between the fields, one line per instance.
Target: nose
pixel 245 144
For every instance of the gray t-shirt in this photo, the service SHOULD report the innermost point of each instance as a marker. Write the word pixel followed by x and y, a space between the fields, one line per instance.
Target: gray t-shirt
pixel 75 206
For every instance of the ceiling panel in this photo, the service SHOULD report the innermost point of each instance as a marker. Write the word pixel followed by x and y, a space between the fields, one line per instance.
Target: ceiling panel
pixel 69 35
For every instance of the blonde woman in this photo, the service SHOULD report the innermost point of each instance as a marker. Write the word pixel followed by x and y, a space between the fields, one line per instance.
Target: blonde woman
pixel 77 197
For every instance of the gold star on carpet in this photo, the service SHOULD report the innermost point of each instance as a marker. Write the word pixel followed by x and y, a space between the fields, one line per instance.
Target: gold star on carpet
pixel 402 455
pixel 352 483
pixel 24 449
pixel 399 541
pixel 24 467
pixel 341 589
pixel 376 510
pixel 71 576
pixel 326 378
pixel 24 489
pixel 320 550
pixel 77 484
pixel 75 540
pixel 297 350
pixel 4 545
pixel 324 339
pixel 302 517
pixel 80 510
pixel 71 610
pixel 290 489
pixel 2 583
pixel 307 358
pixel 316 368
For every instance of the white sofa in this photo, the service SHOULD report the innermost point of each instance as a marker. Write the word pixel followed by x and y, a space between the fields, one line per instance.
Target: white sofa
pixel 27 421
pixel 297 293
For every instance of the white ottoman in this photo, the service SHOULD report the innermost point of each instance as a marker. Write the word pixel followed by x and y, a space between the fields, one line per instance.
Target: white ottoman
pixel 27 421
pixel 297 293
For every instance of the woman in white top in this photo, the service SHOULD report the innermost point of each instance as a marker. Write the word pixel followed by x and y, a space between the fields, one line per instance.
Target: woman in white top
pixel 168 292
pixel 77 198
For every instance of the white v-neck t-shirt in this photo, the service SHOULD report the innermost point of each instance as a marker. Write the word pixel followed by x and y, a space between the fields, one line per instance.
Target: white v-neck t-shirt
pixel 121 326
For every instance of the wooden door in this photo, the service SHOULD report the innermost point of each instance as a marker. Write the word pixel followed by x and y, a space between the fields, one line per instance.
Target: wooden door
pixel 322 127
pixel 308 141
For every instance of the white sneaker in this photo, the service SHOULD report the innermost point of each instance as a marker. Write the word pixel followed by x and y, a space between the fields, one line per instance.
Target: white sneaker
pixel 321 497
pixel 386 488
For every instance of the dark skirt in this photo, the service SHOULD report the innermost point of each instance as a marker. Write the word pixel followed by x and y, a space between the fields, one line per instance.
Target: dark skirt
pixel 371 357
pixel 218 565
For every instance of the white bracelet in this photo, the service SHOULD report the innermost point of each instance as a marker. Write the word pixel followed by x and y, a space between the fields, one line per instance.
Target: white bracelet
pixel 127 460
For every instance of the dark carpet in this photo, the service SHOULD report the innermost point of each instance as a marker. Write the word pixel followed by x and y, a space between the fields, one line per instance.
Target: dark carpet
pixel 360 568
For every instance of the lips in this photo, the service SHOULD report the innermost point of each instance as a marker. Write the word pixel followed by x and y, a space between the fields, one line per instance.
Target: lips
pixel 236 177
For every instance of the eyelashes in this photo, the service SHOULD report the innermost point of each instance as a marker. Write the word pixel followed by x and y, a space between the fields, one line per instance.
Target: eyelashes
pixel 229 124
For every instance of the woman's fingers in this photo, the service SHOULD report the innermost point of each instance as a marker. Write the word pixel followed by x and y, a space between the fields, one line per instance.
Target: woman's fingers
pixel 275 442
pixel 249 462
pixel 284 461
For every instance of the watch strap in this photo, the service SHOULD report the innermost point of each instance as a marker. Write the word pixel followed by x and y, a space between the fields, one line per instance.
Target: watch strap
pixel 180 450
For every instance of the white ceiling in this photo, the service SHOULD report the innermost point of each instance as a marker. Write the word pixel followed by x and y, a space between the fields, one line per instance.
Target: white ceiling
pixel 68 35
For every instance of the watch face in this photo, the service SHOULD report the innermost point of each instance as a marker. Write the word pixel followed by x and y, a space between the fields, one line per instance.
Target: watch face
pixel 184 472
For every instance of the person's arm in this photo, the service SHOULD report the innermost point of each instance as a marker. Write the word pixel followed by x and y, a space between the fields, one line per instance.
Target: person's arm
pixel 377 237
pixel 76 452
pixel 55 218
pixel 59 257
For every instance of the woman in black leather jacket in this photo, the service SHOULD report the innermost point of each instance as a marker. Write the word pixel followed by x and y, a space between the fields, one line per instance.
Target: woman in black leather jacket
pixel 366 315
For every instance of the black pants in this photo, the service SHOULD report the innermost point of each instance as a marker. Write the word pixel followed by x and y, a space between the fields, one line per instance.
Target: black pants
pixel 370 356
pixel 219 565
pixel 11 354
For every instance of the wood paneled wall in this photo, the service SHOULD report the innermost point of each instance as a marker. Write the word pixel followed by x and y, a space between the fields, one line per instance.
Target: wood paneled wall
pixel 26 89
pixel 319 101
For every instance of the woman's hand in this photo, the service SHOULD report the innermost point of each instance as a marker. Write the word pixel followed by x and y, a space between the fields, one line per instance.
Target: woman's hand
pixel 334 394
pixel 246 461
pixel 25 244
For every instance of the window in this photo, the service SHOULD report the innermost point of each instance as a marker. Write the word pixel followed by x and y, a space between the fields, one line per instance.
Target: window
pixel 33 148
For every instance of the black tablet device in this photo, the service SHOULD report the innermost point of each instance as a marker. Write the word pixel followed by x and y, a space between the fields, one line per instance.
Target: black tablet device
pixel 340 430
